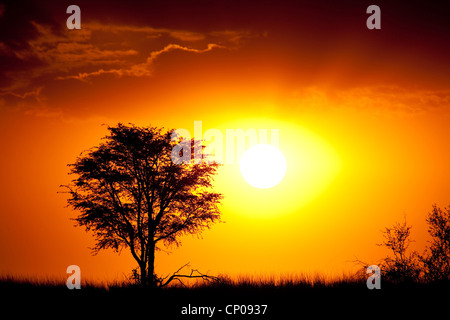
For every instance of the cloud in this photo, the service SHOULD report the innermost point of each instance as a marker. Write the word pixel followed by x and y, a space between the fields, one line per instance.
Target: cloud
pixel 235 37
pixel 99 49
pixel 149 32
pixel 141 69
pixel 52 53
pixel 395 100
pixel 64 52
pixel 29 100
pixel 380 100
pixel 36 64
pixel 34 94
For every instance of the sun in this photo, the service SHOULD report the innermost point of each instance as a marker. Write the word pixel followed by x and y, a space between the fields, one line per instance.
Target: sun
pixel 263 166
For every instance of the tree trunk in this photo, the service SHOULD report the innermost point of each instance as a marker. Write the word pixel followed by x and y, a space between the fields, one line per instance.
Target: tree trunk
pixel 144 277
pixel 151 264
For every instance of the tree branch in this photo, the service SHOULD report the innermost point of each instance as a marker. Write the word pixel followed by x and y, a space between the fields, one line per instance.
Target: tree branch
pixel 194 274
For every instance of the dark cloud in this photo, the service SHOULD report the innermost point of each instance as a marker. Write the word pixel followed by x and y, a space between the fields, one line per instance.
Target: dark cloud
pixel 43 52
pixel 303 40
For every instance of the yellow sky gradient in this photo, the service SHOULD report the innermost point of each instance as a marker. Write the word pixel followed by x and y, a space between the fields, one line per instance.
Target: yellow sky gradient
pixel 350 173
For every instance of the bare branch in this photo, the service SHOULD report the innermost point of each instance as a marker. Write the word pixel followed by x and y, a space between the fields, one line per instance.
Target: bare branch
pixel 194 274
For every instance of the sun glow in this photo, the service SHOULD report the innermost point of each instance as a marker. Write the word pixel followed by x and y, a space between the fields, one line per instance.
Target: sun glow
pixel 307 165
pixel 263 166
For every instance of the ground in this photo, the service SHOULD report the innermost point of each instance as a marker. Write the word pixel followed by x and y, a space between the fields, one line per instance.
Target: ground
pixel 297 301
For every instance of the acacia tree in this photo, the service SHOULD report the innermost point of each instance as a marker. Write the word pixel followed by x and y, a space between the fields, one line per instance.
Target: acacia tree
pixel 131 194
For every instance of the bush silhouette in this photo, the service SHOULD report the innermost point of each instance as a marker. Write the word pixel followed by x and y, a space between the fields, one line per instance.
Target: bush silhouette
pixel 407 267
pixel 437 255
pixel 403 266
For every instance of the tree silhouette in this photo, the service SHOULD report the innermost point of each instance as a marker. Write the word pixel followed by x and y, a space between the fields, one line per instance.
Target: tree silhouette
pixel 402 267
pixel 131 194
pixel 437 257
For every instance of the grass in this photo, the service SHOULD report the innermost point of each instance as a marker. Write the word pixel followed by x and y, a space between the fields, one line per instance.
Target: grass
pixel 286 297
pixel 241 281
pixel 266 282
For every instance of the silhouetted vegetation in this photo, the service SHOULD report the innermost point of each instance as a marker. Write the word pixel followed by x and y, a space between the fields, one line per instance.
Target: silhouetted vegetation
pixel 403 266
pixel 437 255
pixel 406 266
pixel 285 297
pixel 131 194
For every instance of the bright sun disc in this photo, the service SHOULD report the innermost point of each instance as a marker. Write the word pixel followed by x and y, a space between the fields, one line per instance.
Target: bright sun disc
pixel 263 166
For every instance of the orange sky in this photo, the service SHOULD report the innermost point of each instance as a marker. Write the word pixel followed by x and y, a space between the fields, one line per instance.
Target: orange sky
pixel 363 120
